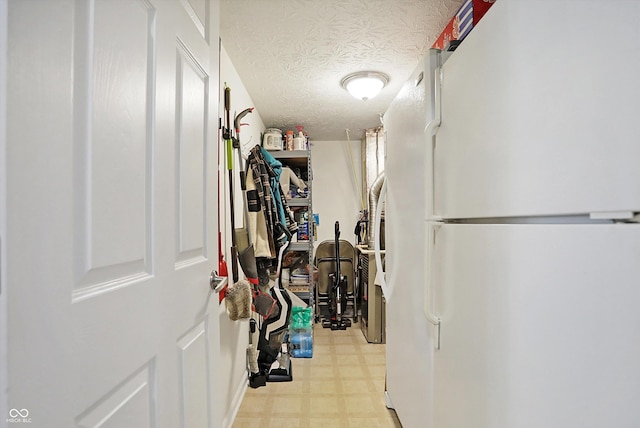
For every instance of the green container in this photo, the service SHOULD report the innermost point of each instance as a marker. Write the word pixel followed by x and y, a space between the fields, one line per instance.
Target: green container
pixel 301 318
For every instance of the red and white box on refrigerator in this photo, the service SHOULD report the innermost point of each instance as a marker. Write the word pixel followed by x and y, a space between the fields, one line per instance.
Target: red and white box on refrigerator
pixel 462 22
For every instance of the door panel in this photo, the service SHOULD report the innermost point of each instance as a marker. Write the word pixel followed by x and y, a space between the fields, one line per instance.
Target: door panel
pixel 129 404
pixel 528 129
pixel 113 129
pixel 109 194
pixel 191 117
pixel 539 326
pixel 120 129
pixel 194 350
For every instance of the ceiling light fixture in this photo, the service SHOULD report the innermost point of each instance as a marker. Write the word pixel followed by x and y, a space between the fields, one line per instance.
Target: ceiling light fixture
pixel 365 85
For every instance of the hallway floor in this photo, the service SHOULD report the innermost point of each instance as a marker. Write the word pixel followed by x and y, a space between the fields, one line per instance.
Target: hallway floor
pixel 341 386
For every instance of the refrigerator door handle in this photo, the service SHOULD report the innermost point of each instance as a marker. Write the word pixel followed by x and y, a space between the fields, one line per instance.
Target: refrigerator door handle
pixel 434 124
pixel 429 282
pixel 430 130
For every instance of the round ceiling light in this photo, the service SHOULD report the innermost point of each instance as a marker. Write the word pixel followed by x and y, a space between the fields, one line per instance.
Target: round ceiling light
pixel 365 85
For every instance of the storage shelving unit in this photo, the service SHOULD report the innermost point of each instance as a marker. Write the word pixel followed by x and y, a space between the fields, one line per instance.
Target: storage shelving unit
pixel 301 160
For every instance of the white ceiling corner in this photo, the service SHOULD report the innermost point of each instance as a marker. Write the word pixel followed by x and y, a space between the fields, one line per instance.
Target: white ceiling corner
pixel 292 54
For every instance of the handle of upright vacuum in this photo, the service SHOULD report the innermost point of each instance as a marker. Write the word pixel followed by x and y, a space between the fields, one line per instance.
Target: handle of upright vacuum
pixel 337 252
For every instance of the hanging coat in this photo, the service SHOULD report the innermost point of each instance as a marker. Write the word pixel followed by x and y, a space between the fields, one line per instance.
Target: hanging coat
pixel 274 181
pixel 262 240
pixel 285 215
pixel 266 195
pixel 260 197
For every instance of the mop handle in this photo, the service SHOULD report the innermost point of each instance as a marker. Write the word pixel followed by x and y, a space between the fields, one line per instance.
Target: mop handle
pixel 227 109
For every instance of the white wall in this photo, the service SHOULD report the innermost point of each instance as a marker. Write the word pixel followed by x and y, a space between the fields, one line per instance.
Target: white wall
pixel 335 190
pixel 249 135
pixel 234 335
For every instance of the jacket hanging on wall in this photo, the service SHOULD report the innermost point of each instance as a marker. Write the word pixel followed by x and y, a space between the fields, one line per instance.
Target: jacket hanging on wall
pixel 270 219
pixel 262 238
pixel 285 216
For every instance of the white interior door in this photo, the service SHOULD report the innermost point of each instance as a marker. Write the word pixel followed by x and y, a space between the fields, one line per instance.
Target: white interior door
pixel 539 326
pixel 111 167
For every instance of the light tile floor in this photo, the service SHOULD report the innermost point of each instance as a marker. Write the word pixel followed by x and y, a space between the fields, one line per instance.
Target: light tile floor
pixel 341 386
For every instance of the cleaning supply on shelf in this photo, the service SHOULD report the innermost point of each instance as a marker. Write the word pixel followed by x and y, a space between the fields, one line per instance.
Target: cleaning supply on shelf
pixel 289 140
pixel 303 226
pixel 300 141
pixel 303 231
pixel 272 139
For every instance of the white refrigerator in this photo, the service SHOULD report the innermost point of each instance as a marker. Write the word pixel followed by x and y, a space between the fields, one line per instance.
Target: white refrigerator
pixel 512 243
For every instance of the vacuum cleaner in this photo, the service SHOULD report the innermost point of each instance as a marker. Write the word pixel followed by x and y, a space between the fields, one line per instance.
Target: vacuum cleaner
pixel 338 293
pixel 269 359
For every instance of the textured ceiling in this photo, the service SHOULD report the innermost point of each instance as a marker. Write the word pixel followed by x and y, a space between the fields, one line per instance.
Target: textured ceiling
pixel 292 54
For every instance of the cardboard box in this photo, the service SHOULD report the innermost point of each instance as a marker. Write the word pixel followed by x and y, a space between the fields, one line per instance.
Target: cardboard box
pixel 462 22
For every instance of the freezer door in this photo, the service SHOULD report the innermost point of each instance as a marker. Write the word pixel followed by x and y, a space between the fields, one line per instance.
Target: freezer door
pixel 540 112
pixel 540 326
